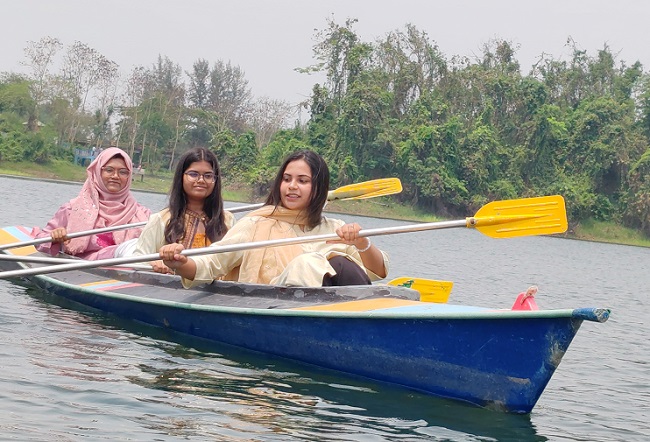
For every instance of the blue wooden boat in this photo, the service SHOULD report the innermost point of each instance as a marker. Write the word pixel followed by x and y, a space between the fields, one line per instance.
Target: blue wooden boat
pixel 494 358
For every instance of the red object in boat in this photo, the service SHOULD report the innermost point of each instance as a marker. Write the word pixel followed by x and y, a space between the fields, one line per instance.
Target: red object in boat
pixel 526 300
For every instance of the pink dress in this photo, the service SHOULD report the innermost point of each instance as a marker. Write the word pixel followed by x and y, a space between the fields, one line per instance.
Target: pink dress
pixel 99 247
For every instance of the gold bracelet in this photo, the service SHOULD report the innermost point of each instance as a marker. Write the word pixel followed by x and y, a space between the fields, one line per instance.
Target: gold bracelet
pixel 365 249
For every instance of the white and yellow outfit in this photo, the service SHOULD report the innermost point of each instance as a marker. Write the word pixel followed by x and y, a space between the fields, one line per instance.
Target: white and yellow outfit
pixel 292 265
pixel 152 237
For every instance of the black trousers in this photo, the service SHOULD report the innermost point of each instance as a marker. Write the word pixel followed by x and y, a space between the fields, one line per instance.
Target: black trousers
pixel 347 273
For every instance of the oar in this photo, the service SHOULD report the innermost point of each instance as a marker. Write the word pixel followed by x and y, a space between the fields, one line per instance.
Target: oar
pixel 356 191
pixel 430 289
pixel 52 260
pixel 544 215
pixel 366 189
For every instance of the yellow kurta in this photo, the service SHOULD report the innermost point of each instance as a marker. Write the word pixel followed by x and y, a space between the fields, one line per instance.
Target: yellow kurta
pixel 307 269
pixel 152 237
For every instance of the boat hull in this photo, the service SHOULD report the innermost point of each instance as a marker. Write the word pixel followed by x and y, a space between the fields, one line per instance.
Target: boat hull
pixel 499 359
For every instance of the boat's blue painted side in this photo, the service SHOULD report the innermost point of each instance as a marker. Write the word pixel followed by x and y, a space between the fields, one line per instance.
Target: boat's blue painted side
pixel 500 359
pixel 493 360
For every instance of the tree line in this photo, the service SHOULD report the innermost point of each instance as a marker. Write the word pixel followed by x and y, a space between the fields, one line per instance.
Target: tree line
pixel 76 97
pixel 458 131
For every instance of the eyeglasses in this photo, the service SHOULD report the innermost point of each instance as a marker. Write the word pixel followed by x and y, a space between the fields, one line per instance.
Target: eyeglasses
pixel 123 173
pixel 208 177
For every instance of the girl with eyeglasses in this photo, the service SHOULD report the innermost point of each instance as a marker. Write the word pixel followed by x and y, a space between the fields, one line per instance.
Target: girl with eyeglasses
pixel 195 216
pixel 105 200
pixel 294 208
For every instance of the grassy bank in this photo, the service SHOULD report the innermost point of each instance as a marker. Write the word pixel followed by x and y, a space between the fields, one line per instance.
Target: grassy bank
pixel 380 207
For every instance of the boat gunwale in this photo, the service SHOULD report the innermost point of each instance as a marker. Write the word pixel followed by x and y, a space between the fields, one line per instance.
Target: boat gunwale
pixel 591 314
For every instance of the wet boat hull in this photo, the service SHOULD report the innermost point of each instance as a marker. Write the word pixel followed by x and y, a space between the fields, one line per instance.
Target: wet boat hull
pixel 500 359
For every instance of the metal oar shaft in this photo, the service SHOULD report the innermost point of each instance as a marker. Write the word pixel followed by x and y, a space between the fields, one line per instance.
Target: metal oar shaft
pixel 498 219
pixel 34 259
pixel 53 260
pixel 230 248
pixel 34 242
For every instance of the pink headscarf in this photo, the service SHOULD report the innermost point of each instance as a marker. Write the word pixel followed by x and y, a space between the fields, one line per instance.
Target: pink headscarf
pixel 96 207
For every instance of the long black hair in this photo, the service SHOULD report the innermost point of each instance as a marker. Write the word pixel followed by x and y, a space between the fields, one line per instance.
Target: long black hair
pixel 320 184
pixel 215 227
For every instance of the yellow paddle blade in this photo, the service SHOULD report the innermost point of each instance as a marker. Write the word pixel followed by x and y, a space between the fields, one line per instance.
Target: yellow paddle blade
pixel 367 189
pixel 543 215
pixel 430 290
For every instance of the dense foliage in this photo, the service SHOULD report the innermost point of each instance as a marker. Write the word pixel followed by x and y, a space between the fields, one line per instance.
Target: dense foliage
pixel 458 132
pixel 461 132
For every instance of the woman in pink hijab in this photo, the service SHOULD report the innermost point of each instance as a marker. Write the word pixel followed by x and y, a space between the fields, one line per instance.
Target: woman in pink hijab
pixel 105 200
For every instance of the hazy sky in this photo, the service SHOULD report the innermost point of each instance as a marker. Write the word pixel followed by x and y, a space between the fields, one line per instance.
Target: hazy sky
pixel 269 38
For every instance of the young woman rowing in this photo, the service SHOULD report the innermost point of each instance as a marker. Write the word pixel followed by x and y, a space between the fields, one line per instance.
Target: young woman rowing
pixel 105 200
pixel 195 216
pixel 293 209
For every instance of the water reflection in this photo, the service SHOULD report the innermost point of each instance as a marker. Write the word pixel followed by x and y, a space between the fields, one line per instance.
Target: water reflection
pixel 308 403
pixel 315 404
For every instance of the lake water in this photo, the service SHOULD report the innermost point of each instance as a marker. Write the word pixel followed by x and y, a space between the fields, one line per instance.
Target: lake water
pixel 68 375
